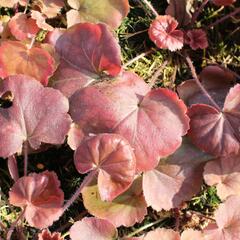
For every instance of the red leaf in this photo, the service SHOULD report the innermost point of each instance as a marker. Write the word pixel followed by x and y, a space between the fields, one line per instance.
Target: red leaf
pixel 225 174
pixel 37 115
pixel 106 11
pixel 127 209
pixel 113 158
pixel 42 197
pixel 23 27
pixel 223 2
pixel 217 132
pixel 46 235
pixel 15 58
pixel 197 38
pixel 215 79
pixel 153 123
pixel 164 34
pixel 175 180
pixel 227 219
pixel 93 229
pixel 88 51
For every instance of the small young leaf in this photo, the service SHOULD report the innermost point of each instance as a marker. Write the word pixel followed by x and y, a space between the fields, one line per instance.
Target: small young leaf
pixel 163 33
pixel 46 235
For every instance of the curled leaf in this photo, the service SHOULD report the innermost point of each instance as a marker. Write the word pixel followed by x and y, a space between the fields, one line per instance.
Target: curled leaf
pixel 46 235
pixel 41 196
pixel 41 21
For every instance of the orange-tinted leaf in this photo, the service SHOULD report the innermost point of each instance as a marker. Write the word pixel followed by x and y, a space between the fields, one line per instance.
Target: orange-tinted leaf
pixel 106 11
pixel 23 27
pixel 46 235
pixel 41 21
pixel 16 58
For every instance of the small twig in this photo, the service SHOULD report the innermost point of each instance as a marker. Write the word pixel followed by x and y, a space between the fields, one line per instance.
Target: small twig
pixel 85 182
pixel 150 6
pixel 32 43
pixel 14 224
pixel 202 215
pixel 157 74
pixel 25 154
pixel 26 7
pixel 137 58
pixel 199 10
pixel 224 18
pixel 129 35
pixel 145 227
pixel 194 74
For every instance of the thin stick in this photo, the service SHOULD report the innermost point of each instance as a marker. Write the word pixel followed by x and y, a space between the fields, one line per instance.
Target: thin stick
pixel 157 74
pixel 85 182
pixel 145 227
pixel 137 58
pixel 199 10
pixel 25 153
pixel 14 224
pixel 150 6
pixel 26 7
pixel 224 18
pixel 32 42
pixel 194 74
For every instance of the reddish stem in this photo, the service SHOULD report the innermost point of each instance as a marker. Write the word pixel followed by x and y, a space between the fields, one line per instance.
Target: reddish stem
pixel 224 18
pixel 85 182
pixel 194 74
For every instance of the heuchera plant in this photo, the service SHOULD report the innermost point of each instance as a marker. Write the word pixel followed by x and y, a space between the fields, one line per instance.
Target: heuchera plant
pixel 127 136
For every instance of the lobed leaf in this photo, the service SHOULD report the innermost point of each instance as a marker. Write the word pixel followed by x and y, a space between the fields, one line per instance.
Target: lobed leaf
pixel 37 115
pixel 46 235
pixel 41 197
pixel 112 157
pixel 163 33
